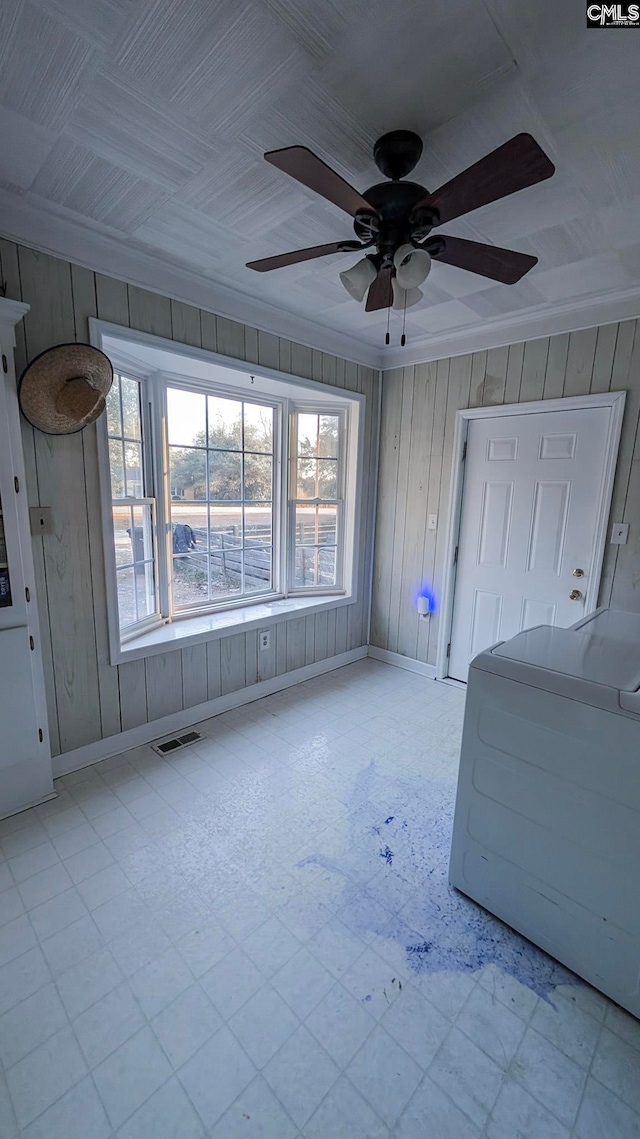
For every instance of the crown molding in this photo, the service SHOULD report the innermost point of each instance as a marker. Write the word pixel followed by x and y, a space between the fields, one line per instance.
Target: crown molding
pixel 62 236
pixel 585 312
pixel 65 237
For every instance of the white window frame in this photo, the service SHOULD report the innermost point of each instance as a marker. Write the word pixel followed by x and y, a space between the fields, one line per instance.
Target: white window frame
pixel 303 407
pixel 159 405
pixel 108 501
pixel 173 629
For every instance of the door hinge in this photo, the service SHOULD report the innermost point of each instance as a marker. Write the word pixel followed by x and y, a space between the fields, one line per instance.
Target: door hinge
pixel 464 451
pixel 449 650
pixel 5 366
pixel 16 484
pixel 32 644
pixel 455 556
pixel 40 734
pixel 27 593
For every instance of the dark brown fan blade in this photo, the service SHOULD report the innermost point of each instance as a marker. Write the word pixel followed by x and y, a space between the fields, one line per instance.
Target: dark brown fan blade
pixel 297 255
pixel 513 166
pixel 380 293
pixel 488 260
pixel 305 166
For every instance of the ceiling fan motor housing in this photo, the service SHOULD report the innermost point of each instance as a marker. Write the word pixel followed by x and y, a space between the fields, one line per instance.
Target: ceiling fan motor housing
pixel 396 153
pixel 391 222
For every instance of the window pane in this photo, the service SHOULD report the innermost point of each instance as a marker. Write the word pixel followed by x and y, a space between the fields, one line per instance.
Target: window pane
pixel 327 565
pixel 187 474
pixel 305 566
pixel 258 427
pixel 190 578
pixel 306 487
pixel 258 477
pixel 186 421
pixel 114 427
pixel 307 434
pixel 328 436
pixel 133 470
pixel 225 475
pixel 318 435
pixel 188 526
pixel 317 478
pixel 226 526
pixel 143 534
pixel 131 408
pixel 257 569
pixel 316 525
pixel 126 597
pixel 190 557
pixel 306 517
pixel 258 524
pixel 122 535
pixel 226 571
pixel 145 589
pixel 225 423
pixel 116 463
pixel 327 478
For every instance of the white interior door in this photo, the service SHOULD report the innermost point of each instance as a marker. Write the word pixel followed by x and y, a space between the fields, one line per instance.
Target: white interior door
pixel 530 507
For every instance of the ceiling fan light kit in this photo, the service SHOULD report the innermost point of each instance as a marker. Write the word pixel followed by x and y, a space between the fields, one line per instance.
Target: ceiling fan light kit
pixel 412 266
pixel 395 218
pixel 405 298
pixel 357 279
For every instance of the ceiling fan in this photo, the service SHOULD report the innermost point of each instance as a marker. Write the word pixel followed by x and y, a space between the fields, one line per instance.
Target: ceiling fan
pixel 395 219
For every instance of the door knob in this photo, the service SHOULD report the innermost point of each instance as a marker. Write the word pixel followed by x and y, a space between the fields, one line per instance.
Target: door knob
pixel 578 573
pixel 575 595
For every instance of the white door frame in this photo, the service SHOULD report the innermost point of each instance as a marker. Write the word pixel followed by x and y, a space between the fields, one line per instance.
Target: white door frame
pixel 615 401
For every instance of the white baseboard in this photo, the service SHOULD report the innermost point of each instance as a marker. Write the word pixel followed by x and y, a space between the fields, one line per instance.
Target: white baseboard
pixel 399 661
pixel 28 806
pixel 145 733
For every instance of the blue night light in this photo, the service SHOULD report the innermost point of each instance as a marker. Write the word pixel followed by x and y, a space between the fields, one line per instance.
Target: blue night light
pixel 426 602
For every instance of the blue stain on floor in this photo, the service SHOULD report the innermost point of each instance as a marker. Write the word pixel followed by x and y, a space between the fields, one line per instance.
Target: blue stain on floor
pixel 438 928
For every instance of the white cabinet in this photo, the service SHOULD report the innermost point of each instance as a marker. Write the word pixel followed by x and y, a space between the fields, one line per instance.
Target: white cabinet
pixel 25 758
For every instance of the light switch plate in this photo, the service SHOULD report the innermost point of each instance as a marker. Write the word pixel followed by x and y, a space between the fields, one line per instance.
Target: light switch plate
pixel 619 533
pixel 432 521
pixel 40 520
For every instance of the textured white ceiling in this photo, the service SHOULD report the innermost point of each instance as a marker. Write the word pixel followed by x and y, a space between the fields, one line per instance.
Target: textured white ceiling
pixel 145 121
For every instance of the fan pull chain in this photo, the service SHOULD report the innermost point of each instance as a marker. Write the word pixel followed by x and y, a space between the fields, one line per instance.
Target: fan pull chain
pixel 403 339
pixel 387 337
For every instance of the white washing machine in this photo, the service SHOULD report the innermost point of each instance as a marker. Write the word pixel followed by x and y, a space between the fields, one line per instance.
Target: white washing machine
pixel 547 823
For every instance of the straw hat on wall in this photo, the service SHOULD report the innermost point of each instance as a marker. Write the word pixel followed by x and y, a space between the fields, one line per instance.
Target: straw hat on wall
pixel 65 388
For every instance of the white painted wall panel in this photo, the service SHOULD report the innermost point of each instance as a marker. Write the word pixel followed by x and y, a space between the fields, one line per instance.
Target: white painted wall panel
pixel 88 698
pixel 416 457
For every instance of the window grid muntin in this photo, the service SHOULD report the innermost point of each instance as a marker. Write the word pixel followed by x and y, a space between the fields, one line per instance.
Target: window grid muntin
pixel 299 409
pixel 130 503
pixel 242 503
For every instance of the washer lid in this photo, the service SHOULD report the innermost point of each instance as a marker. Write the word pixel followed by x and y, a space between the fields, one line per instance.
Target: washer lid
pixel 597 662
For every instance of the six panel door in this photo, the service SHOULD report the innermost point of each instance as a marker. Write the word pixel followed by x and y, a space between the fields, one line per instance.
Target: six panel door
pixel 531 497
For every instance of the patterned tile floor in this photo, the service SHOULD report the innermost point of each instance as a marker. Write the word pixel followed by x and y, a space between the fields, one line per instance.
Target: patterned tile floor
pixel 255 938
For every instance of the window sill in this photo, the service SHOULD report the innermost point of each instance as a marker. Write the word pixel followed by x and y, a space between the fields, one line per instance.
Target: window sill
pixel 211 626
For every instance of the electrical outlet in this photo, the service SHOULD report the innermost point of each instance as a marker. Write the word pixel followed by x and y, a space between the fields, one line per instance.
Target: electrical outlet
pixel 264 639
pixel 41 520
pixel 619 533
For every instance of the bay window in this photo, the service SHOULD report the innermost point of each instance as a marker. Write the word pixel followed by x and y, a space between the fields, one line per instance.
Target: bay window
pixel 224 491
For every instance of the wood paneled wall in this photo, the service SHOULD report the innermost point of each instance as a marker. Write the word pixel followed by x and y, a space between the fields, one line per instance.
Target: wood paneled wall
pixel 89 699
pixel 419 406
